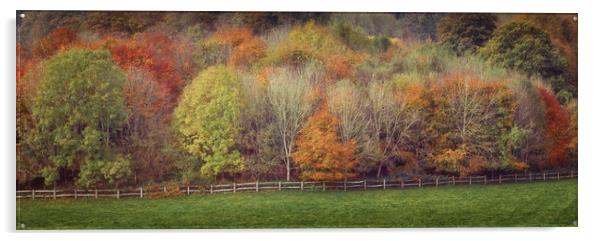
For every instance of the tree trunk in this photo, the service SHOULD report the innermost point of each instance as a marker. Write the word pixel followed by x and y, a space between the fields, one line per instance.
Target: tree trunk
pixel 288 170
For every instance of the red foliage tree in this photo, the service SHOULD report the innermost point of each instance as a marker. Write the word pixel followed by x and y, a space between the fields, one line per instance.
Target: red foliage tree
pixel 168 61
pixel 55 41
pixel 556 130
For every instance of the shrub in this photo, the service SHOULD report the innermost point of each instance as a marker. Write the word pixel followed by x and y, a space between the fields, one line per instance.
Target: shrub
pixel 169 189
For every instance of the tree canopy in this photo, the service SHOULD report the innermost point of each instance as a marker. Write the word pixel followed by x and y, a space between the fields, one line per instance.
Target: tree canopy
pixel 79 112
pixel 207 119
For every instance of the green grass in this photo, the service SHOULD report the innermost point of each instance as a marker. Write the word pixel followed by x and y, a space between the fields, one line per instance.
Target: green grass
pixel 540 204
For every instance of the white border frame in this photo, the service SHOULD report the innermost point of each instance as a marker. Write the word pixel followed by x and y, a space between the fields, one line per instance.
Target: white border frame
pixel 589 118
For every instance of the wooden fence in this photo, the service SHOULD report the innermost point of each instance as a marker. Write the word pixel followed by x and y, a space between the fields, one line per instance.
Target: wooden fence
pixel 413 182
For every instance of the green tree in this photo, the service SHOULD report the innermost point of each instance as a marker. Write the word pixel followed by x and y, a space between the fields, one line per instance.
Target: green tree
pixel 79 112
pixel 526 48
pixel 207 119
pixel 465 32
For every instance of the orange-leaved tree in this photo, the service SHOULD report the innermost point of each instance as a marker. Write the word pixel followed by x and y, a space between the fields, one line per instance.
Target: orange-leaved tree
pixel 245 47
pixel 320 154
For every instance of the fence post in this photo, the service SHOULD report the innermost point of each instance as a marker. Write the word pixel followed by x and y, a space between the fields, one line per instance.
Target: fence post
pixel 384 184
pixel 323 186
pixel 419 182
pixel 234 187
pixel 301 185
pixel 515 177
pixel 436 181
pixel 279 186
pixel 402 184
pixel 530 177
pixel 469 180
pixel 256 186
pixel 557 175
pixel 54 193
pixel 164 189
pixel 141 192
pixel 187 190
pixel 117 193
pixel 345 185
pixel 544 175
pixel 210 188
pixel 454 180
pixel 365 185
pixel 500 179
pixel 95 193
pixel 571 173
pixel 33 194
pixel 75 193
pixel 485 179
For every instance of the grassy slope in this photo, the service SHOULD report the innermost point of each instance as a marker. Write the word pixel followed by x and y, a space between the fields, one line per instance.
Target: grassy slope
pixel 528 204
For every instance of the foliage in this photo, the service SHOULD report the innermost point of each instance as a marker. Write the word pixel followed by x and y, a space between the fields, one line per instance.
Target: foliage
pixel 556 130
pixel 468 117
pixel 388 125
pixel 157 191
pixel 313 43
pixel 562 29
pixel 465 32
pixel 121 22
pixel 357 39
pixel 523 47
pixel 319 154
pixel 207 118
pixel 245 48
pixel 372 23
pixel 422 26
pixel 79 112
pixel 476 100
pixel 57 40
pixel 291 100
pixel 168 62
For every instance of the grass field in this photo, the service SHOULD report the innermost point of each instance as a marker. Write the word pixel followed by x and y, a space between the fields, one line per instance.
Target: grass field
pixel 540 204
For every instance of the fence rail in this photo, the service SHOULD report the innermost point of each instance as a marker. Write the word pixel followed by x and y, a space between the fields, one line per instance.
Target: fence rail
pixel 400 183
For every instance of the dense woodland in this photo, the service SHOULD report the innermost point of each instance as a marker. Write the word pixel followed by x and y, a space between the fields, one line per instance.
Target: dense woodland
pixel 135 98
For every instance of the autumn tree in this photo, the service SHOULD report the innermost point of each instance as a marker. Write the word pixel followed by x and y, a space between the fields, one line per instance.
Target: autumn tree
pixel 530 117
pixel 465 32
pixel 168 61
pixel 558 136
pixel 147 131
pixel 156 76
pixel 207 120
pixel 528 49
pixel 320 154
pixel 259 141
pixel 239 45
pixel 314 43
pixel 79 112
pixel 469 117
pixel 389 124
pixel 27 80
pixel 58 39
pixel 290 98
pixel 562 29
pixel 346 101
